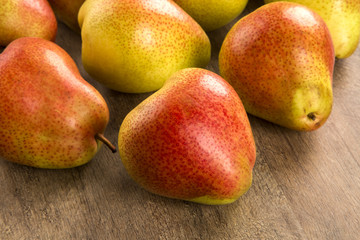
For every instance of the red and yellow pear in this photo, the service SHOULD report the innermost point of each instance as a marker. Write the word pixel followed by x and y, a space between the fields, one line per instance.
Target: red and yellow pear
pixel 26 18
pixel 280 60
pixel 50 117
pixel 343 20
pixel 190 140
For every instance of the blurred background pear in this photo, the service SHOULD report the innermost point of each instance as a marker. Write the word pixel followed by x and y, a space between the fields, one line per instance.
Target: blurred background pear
pixel 67 12
pixel 26 18
pixel 213 14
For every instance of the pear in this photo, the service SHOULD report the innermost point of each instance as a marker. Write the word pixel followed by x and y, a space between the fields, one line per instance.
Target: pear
pixel 134 45
pixel 67 12
pixel 50 117
pixel 190 140
pixel 280 60
pixel 26 18
pixel 212 14
pixel 343 20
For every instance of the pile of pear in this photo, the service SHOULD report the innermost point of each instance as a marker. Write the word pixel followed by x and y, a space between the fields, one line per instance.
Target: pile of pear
pixel 191 139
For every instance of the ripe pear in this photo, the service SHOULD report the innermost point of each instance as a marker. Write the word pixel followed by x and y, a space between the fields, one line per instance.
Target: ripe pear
pixel 343 20
pixel 135 45
pixel 190 140
pixel 280 60
pixel 67 12
pixel 26 18
pixel 50 117
pixel 213 14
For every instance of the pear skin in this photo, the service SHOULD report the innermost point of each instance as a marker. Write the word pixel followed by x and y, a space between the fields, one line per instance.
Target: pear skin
pixel 134 45
pixel 67 12
pixel 190 140
pixel 213 14
pixel 343 20
pixel 26 18
pixel 280 60
pixel 50 117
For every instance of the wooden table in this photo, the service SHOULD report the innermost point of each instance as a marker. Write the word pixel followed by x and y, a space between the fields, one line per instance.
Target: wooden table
pixel 305 186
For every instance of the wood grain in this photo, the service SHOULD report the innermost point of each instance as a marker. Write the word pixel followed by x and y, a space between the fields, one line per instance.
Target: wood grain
pixel 306 185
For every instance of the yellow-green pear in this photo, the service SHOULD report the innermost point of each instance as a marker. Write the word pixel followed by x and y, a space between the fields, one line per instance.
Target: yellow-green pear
pixel 213 14
pixel 280 60
pixel 135 45
pixel 343 20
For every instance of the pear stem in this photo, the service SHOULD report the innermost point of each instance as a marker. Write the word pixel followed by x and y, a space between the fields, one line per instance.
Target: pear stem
pixel 104 140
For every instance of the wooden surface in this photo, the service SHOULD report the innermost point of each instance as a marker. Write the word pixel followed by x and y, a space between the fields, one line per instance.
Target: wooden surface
pixel 305 186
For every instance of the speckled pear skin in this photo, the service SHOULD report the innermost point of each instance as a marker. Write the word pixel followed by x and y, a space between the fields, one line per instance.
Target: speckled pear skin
pixel 280 60
pixel 213 14
pixel 26 18
pixel 48 113
pixel 67 12
pixel 190 140
pixel 135 45
pixel 343 20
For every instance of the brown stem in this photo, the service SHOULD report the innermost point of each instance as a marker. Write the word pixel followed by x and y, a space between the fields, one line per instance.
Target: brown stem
pixel 103 139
